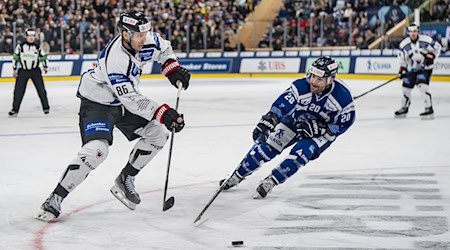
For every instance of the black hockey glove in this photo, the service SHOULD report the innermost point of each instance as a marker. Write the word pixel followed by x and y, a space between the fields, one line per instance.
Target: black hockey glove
pixel 172 69
pixel 265 126
pixel 429 59
pixel 402 72
pixel 169 117
pixel 311 128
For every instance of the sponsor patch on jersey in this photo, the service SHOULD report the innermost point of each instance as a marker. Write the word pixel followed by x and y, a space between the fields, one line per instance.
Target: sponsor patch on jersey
pixel 96 127
pixel 118 78
pixel 146 54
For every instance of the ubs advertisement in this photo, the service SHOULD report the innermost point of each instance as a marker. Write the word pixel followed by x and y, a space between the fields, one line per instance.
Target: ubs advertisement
pixel 270 65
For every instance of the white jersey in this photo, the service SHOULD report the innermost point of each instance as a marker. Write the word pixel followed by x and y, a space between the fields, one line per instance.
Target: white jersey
pixel 412 55
pixel 115 80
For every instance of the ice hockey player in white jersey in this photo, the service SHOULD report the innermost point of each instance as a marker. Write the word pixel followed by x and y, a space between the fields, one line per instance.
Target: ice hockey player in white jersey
pixel 417 55
pixel 309 116
pixel 110 97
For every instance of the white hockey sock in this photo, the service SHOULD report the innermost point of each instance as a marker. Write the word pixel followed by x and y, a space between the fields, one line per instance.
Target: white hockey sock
pixel 143 152
pixel 90 156
pixel 406 99
pixel 426 96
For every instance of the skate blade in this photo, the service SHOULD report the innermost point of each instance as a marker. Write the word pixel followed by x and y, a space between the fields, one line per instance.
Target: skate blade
pixel 427 117
pixel 45 216
pixel 400 116
pixel 258 196
pixel 118 193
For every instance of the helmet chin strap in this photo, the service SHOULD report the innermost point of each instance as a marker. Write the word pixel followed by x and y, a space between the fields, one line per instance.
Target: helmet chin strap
pixel 128 42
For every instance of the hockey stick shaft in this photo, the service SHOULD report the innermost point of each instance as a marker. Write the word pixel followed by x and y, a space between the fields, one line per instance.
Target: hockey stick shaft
pixel 377 87
pixel 167 204
pixel 219 190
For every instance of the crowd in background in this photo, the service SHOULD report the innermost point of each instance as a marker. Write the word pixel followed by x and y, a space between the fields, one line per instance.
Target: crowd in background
pixel 344 22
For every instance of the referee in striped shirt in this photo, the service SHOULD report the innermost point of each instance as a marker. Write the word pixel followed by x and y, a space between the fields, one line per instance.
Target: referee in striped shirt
pixel 26 59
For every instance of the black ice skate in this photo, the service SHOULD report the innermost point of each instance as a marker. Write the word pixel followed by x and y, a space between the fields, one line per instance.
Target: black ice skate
pixel 12 114
pixel 265 187
pixel 125 191
pixel 46 111
pixel 401 113
pixel 428 114
pixel 51 208
pixel 233 181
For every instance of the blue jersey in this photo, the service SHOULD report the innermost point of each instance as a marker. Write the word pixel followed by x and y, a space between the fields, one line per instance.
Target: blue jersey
pixel 335 107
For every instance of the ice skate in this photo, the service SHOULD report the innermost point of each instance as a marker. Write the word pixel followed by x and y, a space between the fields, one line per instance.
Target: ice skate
pixel 46 112
pixel 125 191
pixel 233 181
pixel 12 114
pixel 264 188
pixel 401 113
pixel 428 114
pixel 51 208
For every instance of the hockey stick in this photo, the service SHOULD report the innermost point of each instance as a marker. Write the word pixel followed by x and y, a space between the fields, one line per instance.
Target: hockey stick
pixel 377 87
pixel 393 79
pixel 219 190
pixel 167 204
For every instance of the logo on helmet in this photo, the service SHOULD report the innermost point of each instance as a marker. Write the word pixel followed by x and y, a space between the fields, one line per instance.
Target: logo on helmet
pixel 130 21
pixel 316 71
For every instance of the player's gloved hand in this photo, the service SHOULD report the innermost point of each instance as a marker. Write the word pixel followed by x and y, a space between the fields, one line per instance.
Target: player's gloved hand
pixel 169 117
pixel 311 128
pixel 429 59
pixel 172 69
pixel 265 126
pixel 402 72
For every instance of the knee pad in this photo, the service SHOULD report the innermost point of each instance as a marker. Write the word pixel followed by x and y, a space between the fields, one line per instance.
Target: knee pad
pixel 423 88
pixel 255 158
pixel 91 155
pixel 293 162
pixel 145 150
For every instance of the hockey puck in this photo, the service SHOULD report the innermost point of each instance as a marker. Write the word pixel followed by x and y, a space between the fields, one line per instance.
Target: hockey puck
pixel 237 243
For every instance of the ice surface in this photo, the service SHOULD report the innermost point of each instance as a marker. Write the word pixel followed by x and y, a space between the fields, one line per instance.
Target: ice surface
pixel 382 185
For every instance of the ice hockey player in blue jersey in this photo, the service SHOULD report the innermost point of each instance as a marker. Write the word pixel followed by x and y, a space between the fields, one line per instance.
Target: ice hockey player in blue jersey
pixel 417 55
pixel 309 115
pixel 110 97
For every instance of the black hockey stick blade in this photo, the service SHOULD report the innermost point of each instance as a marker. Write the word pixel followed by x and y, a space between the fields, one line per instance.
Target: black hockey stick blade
pixel 168 203
pixel 222 185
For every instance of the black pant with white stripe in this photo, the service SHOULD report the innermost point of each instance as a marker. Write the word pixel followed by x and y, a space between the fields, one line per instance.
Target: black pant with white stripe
pixel 21 83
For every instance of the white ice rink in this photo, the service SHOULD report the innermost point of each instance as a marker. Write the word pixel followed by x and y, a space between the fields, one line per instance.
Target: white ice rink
pixel 385 184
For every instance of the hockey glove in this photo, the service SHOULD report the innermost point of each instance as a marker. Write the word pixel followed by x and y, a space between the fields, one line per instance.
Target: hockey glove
pixel 311 128
pixel 169 117
pixel 172 69
pixel 402 72
pixel 429 59
pixel 265 126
